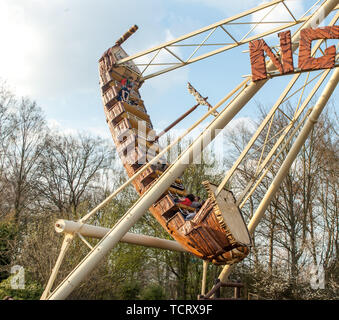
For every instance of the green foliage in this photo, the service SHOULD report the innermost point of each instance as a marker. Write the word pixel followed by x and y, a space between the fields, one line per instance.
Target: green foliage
pixel 130 291
pixel 8 232
pixel 32 291
pixel 153 292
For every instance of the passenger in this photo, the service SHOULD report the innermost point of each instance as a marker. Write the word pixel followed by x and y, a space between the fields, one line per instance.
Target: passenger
pixel 161 166
pixel 129 86
pixel 190 215
pixel 130 83
pixel 124 82
pixel 187 201
pixel 128 92
pixel 164 166
pixel 196 203
pixel 124 91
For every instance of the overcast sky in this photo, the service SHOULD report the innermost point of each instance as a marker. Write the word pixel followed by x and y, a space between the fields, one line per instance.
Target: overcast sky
pixel 50 51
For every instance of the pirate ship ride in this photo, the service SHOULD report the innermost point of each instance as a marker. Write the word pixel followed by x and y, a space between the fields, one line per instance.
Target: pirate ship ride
pixel 217 232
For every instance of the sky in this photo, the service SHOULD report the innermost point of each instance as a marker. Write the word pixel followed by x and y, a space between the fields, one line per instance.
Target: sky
pixel 50 51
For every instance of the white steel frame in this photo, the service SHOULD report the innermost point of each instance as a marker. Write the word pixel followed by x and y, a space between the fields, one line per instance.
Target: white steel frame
pixel 181 61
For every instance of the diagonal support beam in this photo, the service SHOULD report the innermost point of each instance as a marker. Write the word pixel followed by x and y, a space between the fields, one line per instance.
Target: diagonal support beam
pixel 87 230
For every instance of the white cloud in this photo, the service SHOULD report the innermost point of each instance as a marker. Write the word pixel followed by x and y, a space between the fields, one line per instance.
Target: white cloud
pixel 56 126
pixel 21 42
pixel 50 51
pixel 100 131
pixel 226 7
pixel 52 47
pixel 277 13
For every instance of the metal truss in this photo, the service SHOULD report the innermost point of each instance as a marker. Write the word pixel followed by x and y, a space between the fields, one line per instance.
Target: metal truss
pixel 185 50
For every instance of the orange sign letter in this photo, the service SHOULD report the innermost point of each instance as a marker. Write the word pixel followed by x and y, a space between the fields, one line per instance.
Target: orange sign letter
pixel 306 62
pixel 258 65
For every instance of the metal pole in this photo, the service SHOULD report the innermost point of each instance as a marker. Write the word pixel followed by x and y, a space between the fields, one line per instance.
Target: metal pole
pixel 65 245
pixel 217 51
pixel 282 148
pixel 176 122
pixel 161 153
pixel 315 20
pixel 87 216
pixel 204 277
pixel 87 230
pixel 279 142
pixel 283 171
pixel 255 135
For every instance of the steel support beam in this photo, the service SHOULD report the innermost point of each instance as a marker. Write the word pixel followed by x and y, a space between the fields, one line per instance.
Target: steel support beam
pixel 269 117
pixel 87 230
pixel 204 277
pixel 64 247
pixel 181 62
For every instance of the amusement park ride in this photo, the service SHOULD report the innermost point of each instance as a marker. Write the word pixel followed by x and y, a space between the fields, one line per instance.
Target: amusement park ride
pixel 217 233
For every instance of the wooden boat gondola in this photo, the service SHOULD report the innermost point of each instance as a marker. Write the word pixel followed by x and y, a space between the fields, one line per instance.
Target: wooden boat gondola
pixel 217 233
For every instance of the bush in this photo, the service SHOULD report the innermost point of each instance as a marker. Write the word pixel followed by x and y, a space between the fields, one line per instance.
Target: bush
pixel 153 292
pixel 32 291
pixel 7 235
pixel 130 291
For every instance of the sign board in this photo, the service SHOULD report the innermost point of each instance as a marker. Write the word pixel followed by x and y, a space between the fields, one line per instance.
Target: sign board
pixel 284 60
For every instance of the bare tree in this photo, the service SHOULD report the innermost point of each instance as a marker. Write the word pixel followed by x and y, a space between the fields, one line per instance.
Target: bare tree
pixel 300 228
pixel 23 151
pixel 69 170
pixel 6 101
